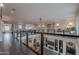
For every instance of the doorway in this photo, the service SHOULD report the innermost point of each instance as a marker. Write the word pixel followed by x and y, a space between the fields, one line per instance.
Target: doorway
pixel 7 28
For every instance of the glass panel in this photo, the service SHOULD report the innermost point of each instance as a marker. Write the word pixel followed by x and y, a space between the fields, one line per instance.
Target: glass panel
pixel 34 42
pixel 49 45
pixel 24 37
pixel 18 35
pixel 70 48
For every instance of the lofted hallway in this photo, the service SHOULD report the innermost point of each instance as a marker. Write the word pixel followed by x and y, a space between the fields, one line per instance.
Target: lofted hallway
pixel 39 29
pixel 10 46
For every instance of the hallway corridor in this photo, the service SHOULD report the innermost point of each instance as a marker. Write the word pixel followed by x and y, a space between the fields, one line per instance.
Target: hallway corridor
pixel 10 46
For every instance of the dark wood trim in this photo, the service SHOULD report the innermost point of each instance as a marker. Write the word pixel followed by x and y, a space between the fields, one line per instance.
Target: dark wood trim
pixel 20 38
pixel 27 38
pixel 55 34
pixel 42 38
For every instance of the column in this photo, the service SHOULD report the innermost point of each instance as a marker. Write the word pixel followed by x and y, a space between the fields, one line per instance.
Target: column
pixel 64 46
pixel 77 46
pixel 1 27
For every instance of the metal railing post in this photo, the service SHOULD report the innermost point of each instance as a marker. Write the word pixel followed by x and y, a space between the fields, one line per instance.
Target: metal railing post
pixel 20 38
pixel 27 38
pixel 42 43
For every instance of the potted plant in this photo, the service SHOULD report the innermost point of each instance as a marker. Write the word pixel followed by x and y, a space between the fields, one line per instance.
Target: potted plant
pixel 73 30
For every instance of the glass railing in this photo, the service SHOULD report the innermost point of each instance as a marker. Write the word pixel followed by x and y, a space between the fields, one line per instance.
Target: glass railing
pixel 50 43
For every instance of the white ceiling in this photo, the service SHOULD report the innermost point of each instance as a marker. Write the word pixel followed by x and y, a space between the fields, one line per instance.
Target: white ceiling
pixel 31 12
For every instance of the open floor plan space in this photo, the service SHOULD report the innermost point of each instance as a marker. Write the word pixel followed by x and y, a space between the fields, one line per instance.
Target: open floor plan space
pixel 39 29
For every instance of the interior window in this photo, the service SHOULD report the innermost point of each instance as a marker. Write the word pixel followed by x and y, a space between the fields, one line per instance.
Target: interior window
pixel 7 28
pixel 20 26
